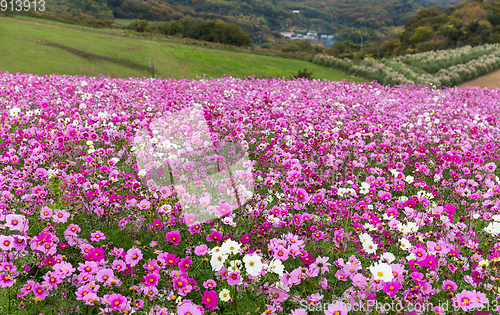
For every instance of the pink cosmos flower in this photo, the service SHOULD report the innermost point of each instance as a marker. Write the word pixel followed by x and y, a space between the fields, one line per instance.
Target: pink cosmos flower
pixel 171 259
pixel 72 229
pixel 179 282
pixel 115 301
pixel 464 300
pixel 28 287
pixel 223 209
pixel 6 280
pixel 299 311
pixel 95 254
pixel 60 216
pixel 210 299
pixel 104 275
pixel 359 281
pixel 6 242
pixel 201 250
pixel 89 267
pixel 302 195
pixel 337 308
pixel 315 298
pixel 151 279
pixel 392 287
pixel 321 264
pixel 185 263
pixel 82 292
pixel 65 269
pixel 157 224
pixel 16 222
pixel 91 298
pixel 449 285
pixel 97 236
pixel 215 236
pixel 234 278
pixel 188 308
pixel 209 284
pixel 281 253
pixel 134 255
pixel 144 204
pixel 174 237
pixel 480 300
pixel 40 292
pixel 119 265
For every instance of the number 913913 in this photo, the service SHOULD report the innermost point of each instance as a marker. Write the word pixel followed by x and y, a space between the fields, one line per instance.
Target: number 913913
pixel 20 5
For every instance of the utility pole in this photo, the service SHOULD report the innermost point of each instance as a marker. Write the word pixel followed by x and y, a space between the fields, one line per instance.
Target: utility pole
pixel 361 41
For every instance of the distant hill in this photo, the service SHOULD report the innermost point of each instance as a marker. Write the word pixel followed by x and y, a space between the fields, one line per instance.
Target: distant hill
pixel 257 17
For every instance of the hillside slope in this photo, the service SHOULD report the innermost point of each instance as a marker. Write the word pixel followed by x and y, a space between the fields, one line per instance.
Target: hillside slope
pixel 39 47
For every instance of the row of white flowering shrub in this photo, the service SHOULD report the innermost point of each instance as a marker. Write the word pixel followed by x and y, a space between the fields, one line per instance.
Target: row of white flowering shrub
pixel 367 199
pixel 433 61
pixel 394 71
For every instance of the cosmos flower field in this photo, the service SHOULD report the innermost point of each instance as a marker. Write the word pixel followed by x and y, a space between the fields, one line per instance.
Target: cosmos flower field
pixel 364 199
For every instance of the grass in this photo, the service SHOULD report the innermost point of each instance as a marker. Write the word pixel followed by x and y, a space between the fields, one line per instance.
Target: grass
pixel 24 49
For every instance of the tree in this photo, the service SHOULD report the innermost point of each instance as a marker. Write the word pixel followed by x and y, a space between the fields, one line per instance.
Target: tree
pixel 302 74
pixel 421 34
pixel 140 26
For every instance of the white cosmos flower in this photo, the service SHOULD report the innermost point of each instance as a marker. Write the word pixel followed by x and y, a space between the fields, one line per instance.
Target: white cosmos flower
pixel 224 295
pixel 388 256
pixel 365 237
pixel 235 264
pixel 409 179
pixel 365 187
pixel 405 244
pixel 230 247
pixel 370 247
pixel 217 261
pixel 253 264
pixel 493 228
pixel 277 267
pixel 382 271
pixel 14 111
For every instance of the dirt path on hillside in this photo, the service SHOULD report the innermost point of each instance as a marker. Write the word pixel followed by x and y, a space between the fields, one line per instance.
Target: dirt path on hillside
pixel 487 80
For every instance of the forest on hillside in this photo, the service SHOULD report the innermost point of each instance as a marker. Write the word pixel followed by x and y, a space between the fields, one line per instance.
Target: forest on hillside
pixel 260 18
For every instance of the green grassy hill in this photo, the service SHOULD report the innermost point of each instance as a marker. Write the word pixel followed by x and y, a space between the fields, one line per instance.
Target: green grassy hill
pixel 40 47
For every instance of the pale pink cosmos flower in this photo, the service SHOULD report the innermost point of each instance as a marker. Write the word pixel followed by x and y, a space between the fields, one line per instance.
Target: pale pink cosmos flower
pixel 60 216
pixel 45 213
pixel 201 250
pixel 16 222
pixel 97 236
pixel 337 308
pixel 134 255
pixel 6 242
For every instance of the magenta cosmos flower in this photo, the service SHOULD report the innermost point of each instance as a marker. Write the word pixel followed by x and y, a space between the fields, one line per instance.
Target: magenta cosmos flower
pixel 210 299
pixel 115 301
pixel 392 287
pixel 174 237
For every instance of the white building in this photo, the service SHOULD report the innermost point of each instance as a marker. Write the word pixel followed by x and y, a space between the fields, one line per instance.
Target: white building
pixel 296 11
pixel 312 35
pixel 287 34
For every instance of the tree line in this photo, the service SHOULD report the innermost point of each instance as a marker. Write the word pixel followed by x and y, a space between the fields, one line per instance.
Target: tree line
pixel 210 31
